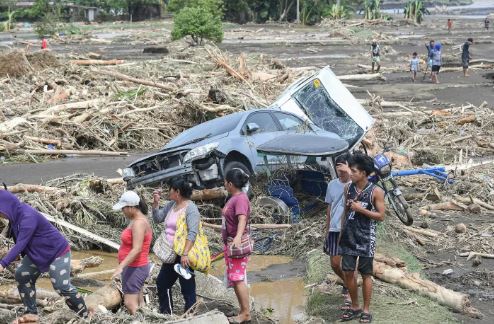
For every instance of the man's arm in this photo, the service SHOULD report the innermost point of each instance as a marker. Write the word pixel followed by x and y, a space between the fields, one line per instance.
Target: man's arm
pixel 378 202
pixel 328 218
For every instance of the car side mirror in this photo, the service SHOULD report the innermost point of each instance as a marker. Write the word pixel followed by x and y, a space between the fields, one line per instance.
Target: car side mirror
pixel 252 128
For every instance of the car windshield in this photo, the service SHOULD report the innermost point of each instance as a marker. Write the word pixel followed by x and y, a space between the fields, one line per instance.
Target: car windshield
pixel 210 129
pixel 325 112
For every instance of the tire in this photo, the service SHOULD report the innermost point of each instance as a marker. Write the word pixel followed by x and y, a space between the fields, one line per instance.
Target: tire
pixel 400 207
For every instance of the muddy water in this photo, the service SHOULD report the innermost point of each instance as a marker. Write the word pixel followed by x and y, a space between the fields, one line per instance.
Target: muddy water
pixel 276 282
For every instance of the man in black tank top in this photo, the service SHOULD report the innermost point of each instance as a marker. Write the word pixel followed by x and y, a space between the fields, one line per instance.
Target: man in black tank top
pixel 364 208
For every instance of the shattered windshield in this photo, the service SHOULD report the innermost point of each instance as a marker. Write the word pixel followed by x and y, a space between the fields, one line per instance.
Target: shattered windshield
pixel 325 113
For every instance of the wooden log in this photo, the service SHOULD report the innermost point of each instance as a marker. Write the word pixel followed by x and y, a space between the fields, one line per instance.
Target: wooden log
pixel 124 77
pixel 91 236
pixel 97 62
pixel 77 266
pixel 95 274
pixel 467 119
pixel 209 194
pixel 391 261
pixel 361 77
pixel 471 255
pixel 259 226
pixel 421 231
pixel 72 152
pixel 467 200
pixel 21 187
pixel 412 281
pixel 10 294
pixel 44 140
pixel 444 206
pixel 107 296
pixel 68 106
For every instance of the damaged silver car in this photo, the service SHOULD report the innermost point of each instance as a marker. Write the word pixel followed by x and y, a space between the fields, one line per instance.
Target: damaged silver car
pixel 319 105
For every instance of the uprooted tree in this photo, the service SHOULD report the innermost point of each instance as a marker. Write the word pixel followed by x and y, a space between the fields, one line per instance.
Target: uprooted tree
pixel 199 24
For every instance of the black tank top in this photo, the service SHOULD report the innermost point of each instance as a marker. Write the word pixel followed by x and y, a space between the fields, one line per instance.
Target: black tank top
pixel 358 236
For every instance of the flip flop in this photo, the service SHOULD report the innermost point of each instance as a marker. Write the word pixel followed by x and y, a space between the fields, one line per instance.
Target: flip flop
pixel 365 318
pixel 350 314
pixel 234 320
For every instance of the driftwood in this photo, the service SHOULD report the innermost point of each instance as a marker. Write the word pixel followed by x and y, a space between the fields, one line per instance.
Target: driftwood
pixel 10 295
pixel 467 119
pixel 83 232
pixel 209 194
pixel 97 62
pixel 471 255
pixel 77 266
pixel 108 296
pixel 425 232
pixel 21 187
pixel 44 140
pixel 391 261
pixel 72 152
pixel 95 274
pixel 124 77
pixel 361 77
pixel 68 106
pixel 472 200
pixel 449 205
pixel 412 281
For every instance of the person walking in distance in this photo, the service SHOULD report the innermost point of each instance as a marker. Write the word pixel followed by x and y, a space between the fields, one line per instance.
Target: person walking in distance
pixel 364 208
pixel 133 267
pixel 375 56
pixel 430 48
pixel 466 56
pixel 335 198
pixel 414 66
pixel 450 25
pixel 436 62
pixel 487 22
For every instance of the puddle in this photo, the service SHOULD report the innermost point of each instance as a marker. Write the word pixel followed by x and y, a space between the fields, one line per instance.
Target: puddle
pixel 276 282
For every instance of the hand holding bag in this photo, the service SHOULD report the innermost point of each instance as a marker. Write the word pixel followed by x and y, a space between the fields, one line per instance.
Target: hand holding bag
pixel 245 249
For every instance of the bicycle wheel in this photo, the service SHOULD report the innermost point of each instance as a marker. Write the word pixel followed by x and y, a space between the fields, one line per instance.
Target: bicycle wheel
pixel 400 207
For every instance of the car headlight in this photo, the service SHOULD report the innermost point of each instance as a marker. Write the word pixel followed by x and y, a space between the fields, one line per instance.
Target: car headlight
pixel 200 151
pixel 128 173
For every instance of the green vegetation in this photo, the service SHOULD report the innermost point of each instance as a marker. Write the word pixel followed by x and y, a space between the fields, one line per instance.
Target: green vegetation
pixel 338 11
pixel 372 9
pixel 415 10
pixel 199 24
pixel 214 7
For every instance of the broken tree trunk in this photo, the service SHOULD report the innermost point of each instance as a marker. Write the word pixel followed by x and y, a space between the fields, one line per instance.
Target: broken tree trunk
pixel 209 194
pixel 412 281
pixel 108 296
pixel 96 62
pixel 391 261
pixel 444 206
pixel 10 294
pixel 83 232
pixel 124 77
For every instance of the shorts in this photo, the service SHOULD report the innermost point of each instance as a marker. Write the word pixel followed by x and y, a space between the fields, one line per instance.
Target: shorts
pixel 464 63
pixel 436 68
pixel 331 243
pixel 376 59
pixel 235 269
pixel 365 264
pixel 133 279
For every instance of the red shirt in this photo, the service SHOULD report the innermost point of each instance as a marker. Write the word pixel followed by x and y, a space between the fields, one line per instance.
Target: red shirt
pixel 126 246
pixel 44 44
pixel 235 206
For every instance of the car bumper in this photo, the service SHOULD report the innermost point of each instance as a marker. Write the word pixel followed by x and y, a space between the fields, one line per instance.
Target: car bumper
pixel 161 176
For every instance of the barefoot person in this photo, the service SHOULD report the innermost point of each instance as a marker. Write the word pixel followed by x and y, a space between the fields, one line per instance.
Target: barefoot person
pixel 364 208
pixel 43 249
pixel 466 56
pixel 235 216
pixel 180 203
pixel 134 250
pixel 414 66
pixel 335 198
pixel 428 67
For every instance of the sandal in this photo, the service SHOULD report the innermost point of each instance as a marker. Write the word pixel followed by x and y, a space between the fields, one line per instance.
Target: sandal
pixel 350 314
pixel 346 305
pixel 235 320
pixel 365 318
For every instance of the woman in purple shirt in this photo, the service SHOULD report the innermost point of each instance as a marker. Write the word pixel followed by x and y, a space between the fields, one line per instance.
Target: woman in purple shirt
pixel 43 249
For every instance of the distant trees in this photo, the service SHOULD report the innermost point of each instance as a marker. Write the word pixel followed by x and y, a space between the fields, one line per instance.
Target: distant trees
pixel 415 10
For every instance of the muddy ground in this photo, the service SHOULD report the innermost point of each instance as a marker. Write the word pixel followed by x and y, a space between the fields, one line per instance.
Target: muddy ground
pixel 319 46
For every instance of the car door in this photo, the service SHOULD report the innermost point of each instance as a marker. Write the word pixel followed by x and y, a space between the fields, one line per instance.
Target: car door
pixel 268 129
pixel 325 101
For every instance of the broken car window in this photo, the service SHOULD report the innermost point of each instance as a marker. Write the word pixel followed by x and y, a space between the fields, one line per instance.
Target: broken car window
pixel 325 113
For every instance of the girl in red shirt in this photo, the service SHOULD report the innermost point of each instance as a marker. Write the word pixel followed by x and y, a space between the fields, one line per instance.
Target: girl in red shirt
pixel 134 250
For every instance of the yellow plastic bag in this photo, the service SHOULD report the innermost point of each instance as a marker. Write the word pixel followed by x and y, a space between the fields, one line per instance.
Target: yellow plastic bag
pixel 199 254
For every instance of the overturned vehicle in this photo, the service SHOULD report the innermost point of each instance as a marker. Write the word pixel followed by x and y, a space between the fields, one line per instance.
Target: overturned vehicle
pixel 319 105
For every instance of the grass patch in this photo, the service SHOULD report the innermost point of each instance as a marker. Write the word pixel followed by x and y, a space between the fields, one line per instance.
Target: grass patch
pixel 318 266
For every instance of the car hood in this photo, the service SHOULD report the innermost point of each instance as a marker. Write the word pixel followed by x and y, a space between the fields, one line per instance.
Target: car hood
pixel 304 145
pixel 339 111
pixel 188 147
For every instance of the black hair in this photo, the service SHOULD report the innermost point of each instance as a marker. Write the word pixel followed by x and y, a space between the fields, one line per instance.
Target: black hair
pixel 182 186
pixel 237 177
pixel 431 41
pixel 362 162
pixel 414 54
pixel 470 40
pixel 143 206
pixel 343 159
